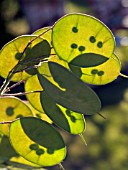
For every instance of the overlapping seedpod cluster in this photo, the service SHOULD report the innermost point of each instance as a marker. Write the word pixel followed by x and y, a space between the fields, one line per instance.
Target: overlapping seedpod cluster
pixel 57 63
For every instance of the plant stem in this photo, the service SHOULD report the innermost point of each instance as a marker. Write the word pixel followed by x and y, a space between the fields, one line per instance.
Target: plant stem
pixel 123 75
pixel 13 71
pixel 41 34
pixel 83 139
pixel 5 84
pixel 101 115
pixel 6 122
pixel 61 166
pixel 22 93
pixel 7 80
pixel 29 43
pixel 14 85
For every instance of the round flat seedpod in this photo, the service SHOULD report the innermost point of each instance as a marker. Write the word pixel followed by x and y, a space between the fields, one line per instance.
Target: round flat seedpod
pixel 21 161
pixel 11 109
pixel 45 33
pixel 82 36
pixel 37 141
pixel 34 98
pixel 102 74
pixel 12 56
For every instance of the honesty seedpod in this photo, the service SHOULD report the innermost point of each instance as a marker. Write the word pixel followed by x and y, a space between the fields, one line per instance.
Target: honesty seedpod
pixel 55 64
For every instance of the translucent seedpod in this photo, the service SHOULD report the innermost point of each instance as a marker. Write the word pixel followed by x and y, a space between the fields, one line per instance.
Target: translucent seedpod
pixel 83 38
pixel 18 56
pixel 31 138
pixel 11 109
pixel 101 74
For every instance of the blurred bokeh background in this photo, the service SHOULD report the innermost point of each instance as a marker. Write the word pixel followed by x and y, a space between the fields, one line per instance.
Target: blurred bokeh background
pixel 107 139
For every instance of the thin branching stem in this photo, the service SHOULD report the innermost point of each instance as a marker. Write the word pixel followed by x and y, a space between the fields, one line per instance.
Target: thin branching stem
pixel 14 85
pixel 22 93
pixel 6 122
pixel 13 71
pixel 29 43
pixel 5 84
